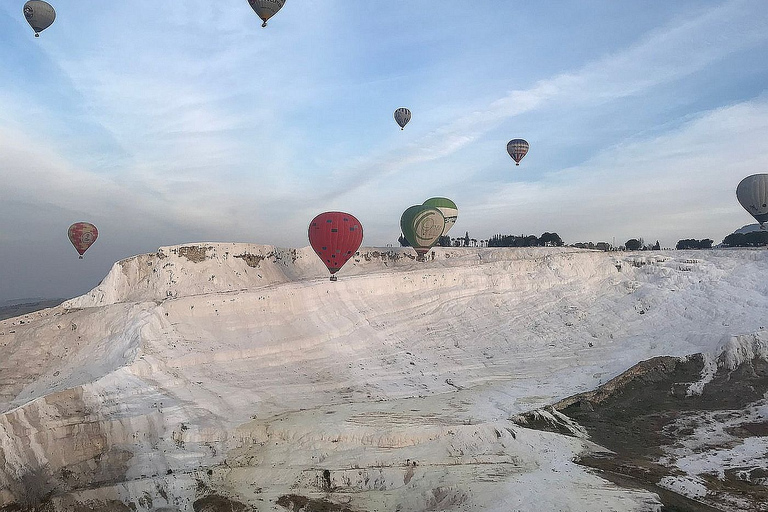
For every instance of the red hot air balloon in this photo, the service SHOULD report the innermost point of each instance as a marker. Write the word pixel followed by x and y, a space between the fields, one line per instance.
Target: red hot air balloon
pixel 335 236
pixel 82 235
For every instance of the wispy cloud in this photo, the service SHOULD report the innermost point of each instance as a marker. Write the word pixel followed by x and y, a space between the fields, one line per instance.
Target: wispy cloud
pixel 678 185
pixel 175 122
pixel 664 56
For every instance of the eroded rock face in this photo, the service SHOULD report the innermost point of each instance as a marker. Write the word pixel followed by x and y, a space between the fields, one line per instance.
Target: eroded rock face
pixel 684 427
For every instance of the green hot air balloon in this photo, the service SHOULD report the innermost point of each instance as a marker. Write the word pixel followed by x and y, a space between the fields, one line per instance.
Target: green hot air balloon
pixel 422 226
pixel 448 208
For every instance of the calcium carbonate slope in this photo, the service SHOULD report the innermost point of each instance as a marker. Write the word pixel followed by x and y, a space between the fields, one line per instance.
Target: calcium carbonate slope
pixel 241 368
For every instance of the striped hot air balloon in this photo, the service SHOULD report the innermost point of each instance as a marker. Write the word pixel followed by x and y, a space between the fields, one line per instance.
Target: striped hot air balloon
pixel 517 149
pixel 402 116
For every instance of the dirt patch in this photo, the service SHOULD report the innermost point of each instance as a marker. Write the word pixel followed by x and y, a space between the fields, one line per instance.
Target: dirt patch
pixel 295 502
pixel 71 506
pixel 216 503
pixel 628 413
pixel 625 473
pixel 386 256
pixel 252 260
pixel 194 253
pixel 757 429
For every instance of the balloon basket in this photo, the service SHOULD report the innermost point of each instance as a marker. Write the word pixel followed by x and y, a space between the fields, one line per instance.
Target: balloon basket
pixel 334 278
pixel 79 257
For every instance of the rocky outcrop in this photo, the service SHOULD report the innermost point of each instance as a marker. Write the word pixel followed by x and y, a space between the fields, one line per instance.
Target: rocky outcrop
pixel 666 437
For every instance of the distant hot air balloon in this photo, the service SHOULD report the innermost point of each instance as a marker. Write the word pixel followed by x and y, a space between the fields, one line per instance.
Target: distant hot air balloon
pixel 39 14
pixel 82 235
pixel 448 208
pixel 752 193
pixel 517 148
pixel 402 116
pixel 422 226
pixel 265 9
pixel 335 236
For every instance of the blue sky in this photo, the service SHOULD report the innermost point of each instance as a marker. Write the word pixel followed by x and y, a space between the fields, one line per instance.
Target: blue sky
pixel 174 122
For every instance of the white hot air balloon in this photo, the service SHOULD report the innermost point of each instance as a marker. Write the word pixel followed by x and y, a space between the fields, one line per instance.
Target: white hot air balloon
pixel 39 15
pixel 265 9
pixel 402 116
pixel 752 193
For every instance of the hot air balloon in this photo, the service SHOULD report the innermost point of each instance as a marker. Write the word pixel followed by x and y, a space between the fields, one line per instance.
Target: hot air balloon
pixel 752 193
pixel 335 236
pixel 422 226
pixel 517 149
pixel 402 116
pixel 265 9
pixel 82 235
pixel 448 208
pixel 39 14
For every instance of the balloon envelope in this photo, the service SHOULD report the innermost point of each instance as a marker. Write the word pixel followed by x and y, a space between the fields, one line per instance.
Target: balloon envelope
pixel 39 15
pixel 448 208
pixel 752 193
pixel 335 236
pixel 82 235
pixel 265 9
pixel 517 149
pixel 402 116
pixel 422 226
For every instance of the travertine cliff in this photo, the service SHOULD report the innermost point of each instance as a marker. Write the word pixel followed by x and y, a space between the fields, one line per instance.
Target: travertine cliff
pixel 237 377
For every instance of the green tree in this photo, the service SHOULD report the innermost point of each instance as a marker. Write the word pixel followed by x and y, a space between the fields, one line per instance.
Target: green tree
pixel 633 244
pixel 751 239
pixel 550 240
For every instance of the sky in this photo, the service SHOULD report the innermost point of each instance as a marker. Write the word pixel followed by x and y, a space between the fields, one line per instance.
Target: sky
pixel 178 122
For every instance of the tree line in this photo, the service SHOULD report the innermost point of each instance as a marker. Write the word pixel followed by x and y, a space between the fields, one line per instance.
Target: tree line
pixel 751 239
pixel 545 240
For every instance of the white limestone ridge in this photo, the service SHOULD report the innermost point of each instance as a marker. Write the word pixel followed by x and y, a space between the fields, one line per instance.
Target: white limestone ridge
pixel 243 371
